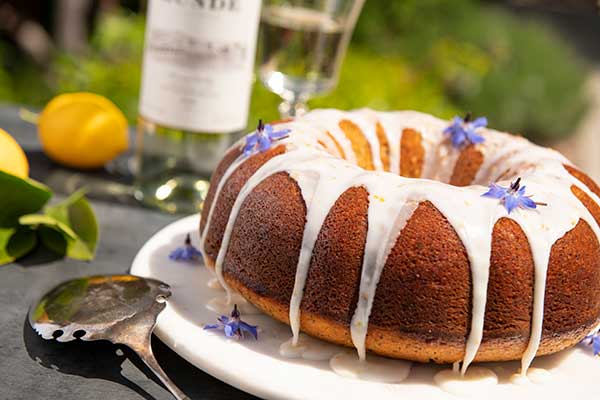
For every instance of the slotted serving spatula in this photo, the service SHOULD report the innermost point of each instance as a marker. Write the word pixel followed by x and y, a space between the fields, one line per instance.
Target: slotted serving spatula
pixel 119 308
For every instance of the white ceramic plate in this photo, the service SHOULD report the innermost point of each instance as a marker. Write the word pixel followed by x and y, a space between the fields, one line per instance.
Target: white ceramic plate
pixel 256 366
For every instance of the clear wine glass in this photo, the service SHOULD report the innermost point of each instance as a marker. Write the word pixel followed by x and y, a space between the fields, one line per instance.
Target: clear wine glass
pixel 302 45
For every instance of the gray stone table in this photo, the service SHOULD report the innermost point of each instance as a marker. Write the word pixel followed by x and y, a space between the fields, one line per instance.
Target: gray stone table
pixel 32 368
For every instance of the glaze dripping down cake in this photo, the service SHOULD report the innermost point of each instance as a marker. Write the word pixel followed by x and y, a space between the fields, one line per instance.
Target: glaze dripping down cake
pixel 369 229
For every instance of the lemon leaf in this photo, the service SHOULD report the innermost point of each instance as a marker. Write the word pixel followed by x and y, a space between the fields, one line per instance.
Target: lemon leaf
pixel 26 196
pixel 53 239
pixel 15 243
pixel 76 214
pixel 36 220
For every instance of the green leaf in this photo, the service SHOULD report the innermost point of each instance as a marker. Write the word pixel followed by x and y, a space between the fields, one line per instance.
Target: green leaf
pixel 67 228
pixel 53 240
pixel 15 243
pixel 77 214
pixel 20 197
pixel 36 220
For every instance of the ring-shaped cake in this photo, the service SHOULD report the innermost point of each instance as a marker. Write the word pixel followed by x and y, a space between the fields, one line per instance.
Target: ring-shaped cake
pixel 369 229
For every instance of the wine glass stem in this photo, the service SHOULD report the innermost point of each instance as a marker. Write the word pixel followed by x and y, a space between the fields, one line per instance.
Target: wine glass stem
pixel 294 106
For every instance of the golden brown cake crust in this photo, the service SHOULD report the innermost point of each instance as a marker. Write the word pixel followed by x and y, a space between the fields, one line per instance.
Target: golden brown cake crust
pixel 266 237
pixel 360 144
pixel 467 165
pixel 337 145
pixel 573 282
pixel 510 287
pixel 412 154
pixel 425 292
pixel 384 146
pixel 583 178
pixel 339 247
pixel 587 201
pixel 227 197
pixel 226 161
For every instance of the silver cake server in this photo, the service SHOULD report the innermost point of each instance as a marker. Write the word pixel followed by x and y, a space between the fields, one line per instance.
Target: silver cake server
pixel 119 308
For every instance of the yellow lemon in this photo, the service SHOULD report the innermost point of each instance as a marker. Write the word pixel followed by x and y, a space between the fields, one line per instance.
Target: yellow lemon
pixel 82 130
pixel 12 156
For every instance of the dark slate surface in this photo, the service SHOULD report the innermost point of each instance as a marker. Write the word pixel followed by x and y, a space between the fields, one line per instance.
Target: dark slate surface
pixel 33 368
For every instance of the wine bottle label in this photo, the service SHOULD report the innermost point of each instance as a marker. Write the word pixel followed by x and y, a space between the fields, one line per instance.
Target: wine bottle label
pixel 198 63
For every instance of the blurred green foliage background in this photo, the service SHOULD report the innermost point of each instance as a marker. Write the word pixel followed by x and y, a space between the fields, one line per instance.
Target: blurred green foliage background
pixel 438 56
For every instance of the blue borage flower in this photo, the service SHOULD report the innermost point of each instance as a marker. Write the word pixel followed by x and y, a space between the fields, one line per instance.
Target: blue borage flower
pixel 262 138
pixel 233 326
pixel 512 197
pixel 185 253
pixel 462 131
pixel 593 340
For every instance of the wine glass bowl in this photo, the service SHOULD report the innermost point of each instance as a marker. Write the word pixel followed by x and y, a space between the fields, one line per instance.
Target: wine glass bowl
pixel 302 46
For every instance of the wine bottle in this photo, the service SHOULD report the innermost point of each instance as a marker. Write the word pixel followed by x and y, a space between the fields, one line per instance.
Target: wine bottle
pixel 195 94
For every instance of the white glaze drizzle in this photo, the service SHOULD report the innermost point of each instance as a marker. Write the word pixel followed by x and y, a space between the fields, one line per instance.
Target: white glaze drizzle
pixel 534 375
pixel 213 283
pixel 375 254
pixel 465 384
pixel 373 368
pixel 326 188
pixel 308 348
pixel 472 217
pixel 222 304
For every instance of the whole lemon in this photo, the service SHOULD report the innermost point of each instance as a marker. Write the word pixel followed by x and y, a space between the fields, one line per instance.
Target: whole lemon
pixel 82 130
pixel 12 156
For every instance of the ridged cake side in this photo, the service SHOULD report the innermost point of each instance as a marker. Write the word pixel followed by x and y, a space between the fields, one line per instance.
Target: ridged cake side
pixel 422 306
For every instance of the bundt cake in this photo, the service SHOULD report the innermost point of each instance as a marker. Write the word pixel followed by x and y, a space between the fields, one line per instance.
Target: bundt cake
pixel 369 229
